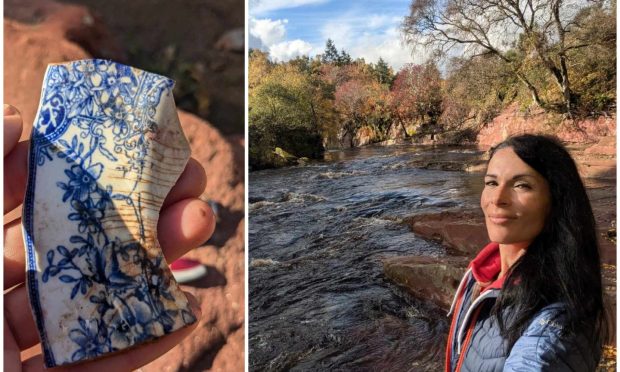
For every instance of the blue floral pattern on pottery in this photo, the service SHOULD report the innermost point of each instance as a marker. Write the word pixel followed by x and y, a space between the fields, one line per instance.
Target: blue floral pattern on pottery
pixel 92 139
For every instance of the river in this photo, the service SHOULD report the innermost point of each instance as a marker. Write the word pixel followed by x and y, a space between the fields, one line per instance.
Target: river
pixel 317 235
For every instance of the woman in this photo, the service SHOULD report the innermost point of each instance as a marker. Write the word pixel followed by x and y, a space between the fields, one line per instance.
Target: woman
pixel 532 299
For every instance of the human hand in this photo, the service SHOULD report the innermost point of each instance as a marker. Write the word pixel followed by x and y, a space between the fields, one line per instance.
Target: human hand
pixel 185 222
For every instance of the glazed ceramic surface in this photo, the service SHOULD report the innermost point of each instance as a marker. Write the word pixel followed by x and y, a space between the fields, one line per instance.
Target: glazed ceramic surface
pixel 106 148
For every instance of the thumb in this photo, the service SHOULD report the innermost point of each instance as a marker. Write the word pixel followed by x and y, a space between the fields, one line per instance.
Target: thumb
pixel 12 128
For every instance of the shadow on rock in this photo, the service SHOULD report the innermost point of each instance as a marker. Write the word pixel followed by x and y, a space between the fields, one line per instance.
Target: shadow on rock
pixel 214 278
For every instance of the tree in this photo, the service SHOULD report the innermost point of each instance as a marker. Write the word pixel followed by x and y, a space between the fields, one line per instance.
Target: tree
pixel 331 53
pixel 514 31
pixel 383 73
pixel 258 67
pixel 416 95
pixel 291 109
pixel 360 102
pixel 343 58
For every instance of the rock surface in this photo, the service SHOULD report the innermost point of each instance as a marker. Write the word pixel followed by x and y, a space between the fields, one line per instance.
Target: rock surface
pixel 35 35
pixel 428 278
pixel 461 231
pixel 604 146
pixel 512 121
pixel 179 40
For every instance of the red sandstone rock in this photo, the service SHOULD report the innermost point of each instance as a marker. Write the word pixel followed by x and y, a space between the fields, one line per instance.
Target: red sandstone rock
pixel 512 121
pixel 463 231
pixel 604 146
pixel 428 278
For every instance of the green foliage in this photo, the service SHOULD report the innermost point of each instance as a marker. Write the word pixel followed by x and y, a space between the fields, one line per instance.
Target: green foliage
pixel 593 66
pixel 383 73
pixel 331 55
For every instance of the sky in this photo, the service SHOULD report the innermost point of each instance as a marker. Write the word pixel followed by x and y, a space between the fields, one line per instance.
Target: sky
pixel 367 29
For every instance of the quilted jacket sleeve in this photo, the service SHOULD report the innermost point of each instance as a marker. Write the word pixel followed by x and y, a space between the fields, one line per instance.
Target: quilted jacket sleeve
pixel 543 348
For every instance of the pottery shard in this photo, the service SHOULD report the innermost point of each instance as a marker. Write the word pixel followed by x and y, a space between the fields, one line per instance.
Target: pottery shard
pixel 427 278
pixel 106 148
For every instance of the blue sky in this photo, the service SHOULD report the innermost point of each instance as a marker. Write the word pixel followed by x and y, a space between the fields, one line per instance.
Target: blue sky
pixel 368 29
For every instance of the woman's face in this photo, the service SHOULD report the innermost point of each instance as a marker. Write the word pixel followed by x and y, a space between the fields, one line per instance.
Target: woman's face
pixel 516 199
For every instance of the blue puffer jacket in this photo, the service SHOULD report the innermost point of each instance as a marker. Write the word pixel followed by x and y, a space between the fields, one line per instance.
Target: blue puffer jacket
pixel 474 342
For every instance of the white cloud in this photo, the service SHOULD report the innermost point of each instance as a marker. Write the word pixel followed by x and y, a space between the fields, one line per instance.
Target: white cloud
pixel 377 21
pixel 267 31
pixel 355 35
pixel 287 50
pixel 258 7
pixel 270 35
pixel 360 36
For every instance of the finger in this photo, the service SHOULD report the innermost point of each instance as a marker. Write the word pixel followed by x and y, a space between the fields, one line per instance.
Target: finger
pixel 14 255
pixel 11 350
pixel 191 183
pixel 127 360
pixel 12 128
pixel 15 175
pixel 183 226
pixel 19 317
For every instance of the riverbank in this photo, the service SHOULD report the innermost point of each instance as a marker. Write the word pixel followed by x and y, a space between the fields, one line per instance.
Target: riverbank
pixel 596 135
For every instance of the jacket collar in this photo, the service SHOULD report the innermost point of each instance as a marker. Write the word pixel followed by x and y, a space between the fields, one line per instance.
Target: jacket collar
pixel 487 266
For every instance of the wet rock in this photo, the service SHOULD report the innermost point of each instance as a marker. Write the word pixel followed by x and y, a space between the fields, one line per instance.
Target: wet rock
pixel 232 41
pixel 427 278
pixel 462 231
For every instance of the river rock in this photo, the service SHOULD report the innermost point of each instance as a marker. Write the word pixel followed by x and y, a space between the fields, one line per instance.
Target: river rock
pixel 427 278
pixel 462 231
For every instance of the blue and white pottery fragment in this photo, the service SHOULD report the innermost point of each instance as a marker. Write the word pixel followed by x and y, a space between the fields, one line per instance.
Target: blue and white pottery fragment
pixel 106 149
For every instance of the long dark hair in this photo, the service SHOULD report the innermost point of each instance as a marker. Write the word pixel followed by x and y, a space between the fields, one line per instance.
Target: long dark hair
pixel 562 263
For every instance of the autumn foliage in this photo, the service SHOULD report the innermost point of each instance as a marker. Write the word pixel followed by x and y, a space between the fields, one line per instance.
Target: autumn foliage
pixel 306 105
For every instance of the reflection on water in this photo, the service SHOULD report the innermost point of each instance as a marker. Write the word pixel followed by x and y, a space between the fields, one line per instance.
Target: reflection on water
pixel 317 234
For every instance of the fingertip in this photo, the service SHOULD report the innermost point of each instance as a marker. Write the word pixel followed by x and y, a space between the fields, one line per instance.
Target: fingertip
pixel 13 126
pixel 183 226
pixel 199 222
